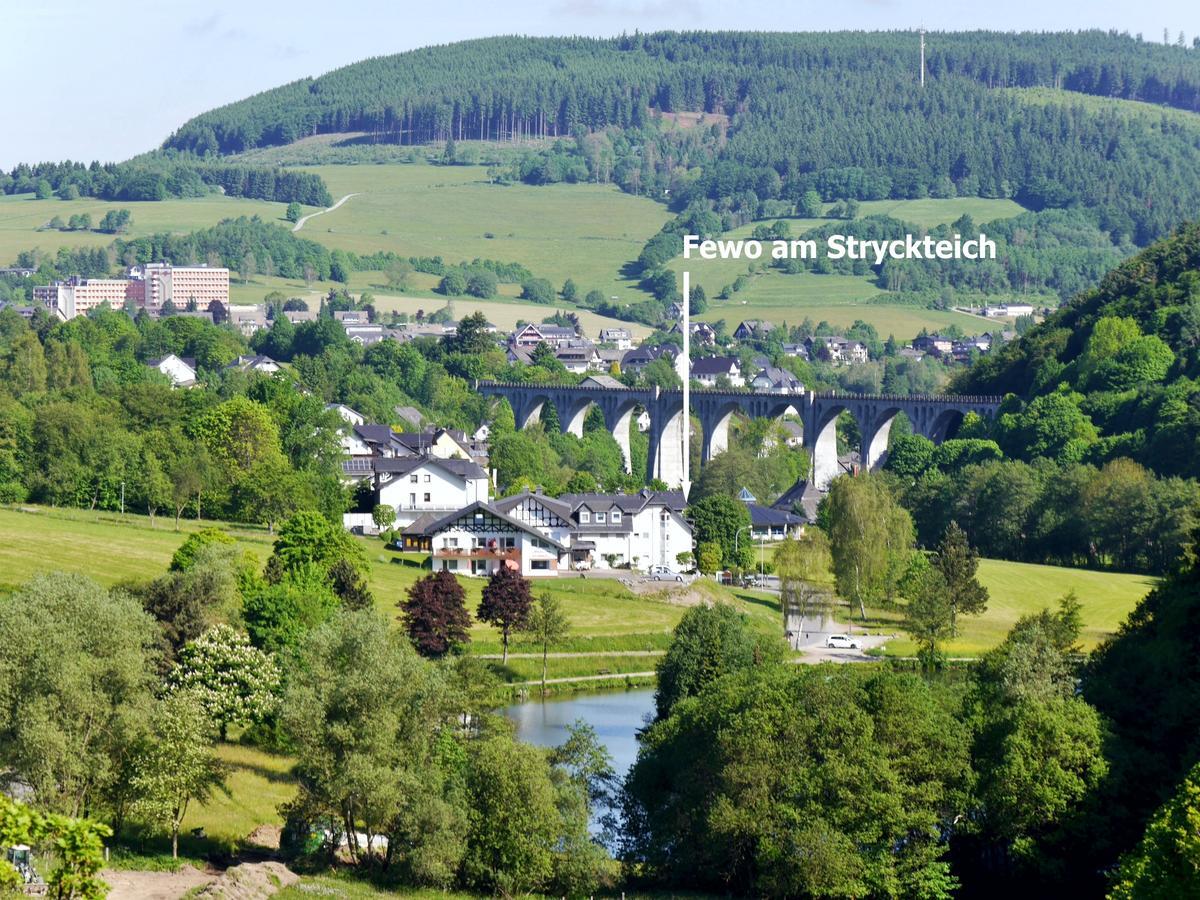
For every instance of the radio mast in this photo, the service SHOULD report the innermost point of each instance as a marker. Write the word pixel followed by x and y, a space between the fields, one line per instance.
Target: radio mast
pixel 922 56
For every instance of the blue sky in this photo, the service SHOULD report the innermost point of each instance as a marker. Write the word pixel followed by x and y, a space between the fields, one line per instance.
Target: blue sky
pixel 105 80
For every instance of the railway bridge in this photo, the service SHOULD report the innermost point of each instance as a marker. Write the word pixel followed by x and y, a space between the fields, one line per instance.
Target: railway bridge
pixel 936 416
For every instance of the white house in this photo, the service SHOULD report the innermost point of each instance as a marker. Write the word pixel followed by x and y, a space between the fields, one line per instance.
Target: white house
pixel 1011 311
pixel 708 369
pixel 578 357
pixel 480 538
pixel 777 381
pixel 418 486
pixel 639 530
pixel 621 338
pixel 181 370
pixel 260 363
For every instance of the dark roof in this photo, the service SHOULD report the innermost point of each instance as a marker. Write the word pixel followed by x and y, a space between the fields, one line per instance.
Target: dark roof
pixel 713 365
pixel 764 516
pixel 805 494
pixel 402 465
pixel 430 528
pixel 374 434
pixel 555 505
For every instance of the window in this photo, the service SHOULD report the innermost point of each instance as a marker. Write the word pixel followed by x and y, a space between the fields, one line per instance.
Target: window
pixel 427 479
pixel 542 565
pixel 412 478
pixel 616 517
pixel 507 543
pixel 451 542
pixel 412 501
pixel 450 564
pixel 585 517
pixel 600 518
pixel 426 497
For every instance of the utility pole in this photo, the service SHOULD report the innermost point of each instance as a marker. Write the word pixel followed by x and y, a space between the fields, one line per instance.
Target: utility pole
pixel 922 56
pixel 686 375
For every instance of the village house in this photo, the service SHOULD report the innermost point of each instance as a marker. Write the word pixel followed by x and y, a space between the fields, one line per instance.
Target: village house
pixel 621 338
pixel 553 336
pixel 1009 311
pixel 578 357
pixel 480 538
pixel 708 370
pixel 934 344
pixel 262 364
pixel 777 381
pixel 179 369
pixel 247 319
pixel 703 334
pixel 769 523
pixel 639 357
pixel 636 530
pixel 836 348
pixel 753 329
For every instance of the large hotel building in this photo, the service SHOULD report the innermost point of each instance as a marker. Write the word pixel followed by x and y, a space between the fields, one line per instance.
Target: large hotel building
pixel 180 285
pixel 79 296
pixel 151 286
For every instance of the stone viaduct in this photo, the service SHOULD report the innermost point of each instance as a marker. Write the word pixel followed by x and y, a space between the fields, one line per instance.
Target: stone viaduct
pixel 937 417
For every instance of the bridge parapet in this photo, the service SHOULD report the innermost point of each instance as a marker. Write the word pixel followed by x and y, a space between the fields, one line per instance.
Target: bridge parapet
pixel 935 416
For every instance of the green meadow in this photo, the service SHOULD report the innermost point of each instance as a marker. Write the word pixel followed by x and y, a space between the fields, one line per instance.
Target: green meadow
pixel 22 217
pixel 587 232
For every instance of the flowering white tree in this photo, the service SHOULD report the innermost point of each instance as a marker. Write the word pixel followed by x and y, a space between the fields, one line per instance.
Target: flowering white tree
pixel 234 681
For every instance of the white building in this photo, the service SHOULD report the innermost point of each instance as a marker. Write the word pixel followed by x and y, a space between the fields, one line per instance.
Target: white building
pixel 621 338
pixel 1010 311
pixel 707 370
pixel 480 538
pixel 181 370
pixel 260 363
pixel 777 381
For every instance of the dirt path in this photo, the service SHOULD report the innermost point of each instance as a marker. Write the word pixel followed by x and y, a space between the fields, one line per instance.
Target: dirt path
pixel 300 222
pixel 582 654
pixel 126 885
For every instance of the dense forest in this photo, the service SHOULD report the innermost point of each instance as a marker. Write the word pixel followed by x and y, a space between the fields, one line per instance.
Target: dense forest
pixel 1116 372
pixel 163 176
pixel 843 114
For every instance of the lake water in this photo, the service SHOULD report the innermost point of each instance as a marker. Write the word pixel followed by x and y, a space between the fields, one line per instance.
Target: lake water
pixel 617 716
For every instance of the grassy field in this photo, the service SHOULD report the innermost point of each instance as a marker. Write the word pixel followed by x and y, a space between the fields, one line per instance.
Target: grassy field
pixel 257 782
pixel 1132 108
pixel 605 615
pixel 21 216
pixel 837 299
pixel 504 311
pixel 1020 589
pixel 587 232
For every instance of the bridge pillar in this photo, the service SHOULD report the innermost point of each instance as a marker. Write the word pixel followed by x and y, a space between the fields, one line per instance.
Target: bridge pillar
pixel 715 416
pixel 875 434
pixel 823 447
pixel 618 417
pixel 667 421
pixel 571 414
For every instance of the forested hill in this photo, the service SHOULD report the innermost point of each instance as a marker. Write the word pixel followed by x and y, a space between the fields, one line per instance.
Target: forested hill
pixel 488 88
pixel 1116 372
pixel 842 114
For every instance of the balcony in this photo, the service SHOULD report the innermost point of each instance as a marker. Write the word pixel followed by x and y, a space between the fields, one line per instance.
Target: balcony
pixel 477 553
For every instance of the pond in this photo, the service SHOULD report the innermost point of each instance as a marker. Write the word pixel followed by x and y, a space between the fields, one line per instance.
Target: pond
pixel 617 716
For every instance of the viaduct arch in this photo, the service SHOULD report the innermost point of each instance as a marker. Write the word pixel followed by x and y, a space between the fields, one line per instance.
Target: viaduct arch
pixel 935 416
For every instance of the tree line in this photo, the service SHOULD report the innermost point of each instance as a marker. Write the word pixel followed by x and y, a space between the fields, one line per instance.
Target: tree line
pixel 163 177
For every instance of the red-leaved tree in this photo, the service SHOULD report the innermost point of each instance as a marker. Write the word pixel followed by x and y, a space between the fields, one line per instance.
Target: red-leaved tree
pixel 435 614
pixel 506 603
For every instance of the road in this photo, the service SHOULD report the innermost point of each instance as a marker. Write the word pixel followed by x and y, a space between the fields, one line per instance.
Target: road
pixel 300 222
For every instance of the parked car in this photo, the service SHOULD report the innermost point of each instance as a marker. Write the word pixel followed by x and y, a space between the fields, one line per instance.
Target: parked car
pixel 843 642
pixel 664 573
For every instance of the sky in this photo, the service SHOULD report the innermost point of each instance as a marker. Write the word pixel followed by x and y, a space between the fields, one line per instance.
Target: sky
pixel 106 80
